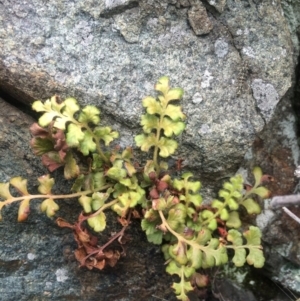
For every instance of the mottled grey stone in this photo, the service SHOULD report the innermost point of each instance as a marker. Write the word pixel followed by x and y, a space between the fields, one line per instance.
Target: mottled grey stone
pixel 129 24
pixel 291 11
pixel 111 54
pixel 266 97
pixel 183 3
pixel 221 48
pixel 218 4
pixel 199 19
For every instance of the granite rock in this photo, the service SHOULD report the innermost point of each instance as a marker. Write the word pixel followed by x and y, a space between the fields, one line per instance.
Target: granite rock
pixel 110 53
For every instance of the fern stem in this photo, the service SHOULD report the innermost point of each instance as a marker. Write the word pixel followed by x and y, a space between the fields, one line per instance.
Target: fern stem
pixel 105 206
pixel 178 236
pixel 158 132
pixel 52 196
pixel 207 221
pixel 113 238
pixel 155 155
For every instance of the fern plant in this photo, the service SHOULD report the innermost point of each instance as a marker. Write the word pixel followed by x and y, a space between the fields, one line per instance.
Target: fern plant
pixel 193 236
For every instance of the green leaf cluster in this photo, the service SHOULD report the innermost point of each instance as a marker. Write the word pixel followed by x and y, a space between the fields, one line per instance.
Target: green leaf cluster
pixel 80 126
pixel 226 206
pixel 178 217
pixel 176 214
pixel 231 197
pixel 194 235
pixel 255 255
pixel 20 185
pixel 162 120
pixel 127 190
pixel 186 257
pixel 150 224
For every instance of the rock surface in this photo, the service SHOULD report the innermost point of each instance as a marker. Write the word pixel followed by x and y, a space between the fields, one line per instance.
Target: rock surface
pixel 110 53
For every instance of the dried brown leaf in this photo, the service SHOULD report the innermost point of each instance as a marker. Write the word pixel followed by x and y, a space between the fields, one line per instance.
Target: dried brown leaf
pixel 100 264
pixel 136 214
pixel 266 178
pixel 63 224
pixel 80 255
pixel 123 221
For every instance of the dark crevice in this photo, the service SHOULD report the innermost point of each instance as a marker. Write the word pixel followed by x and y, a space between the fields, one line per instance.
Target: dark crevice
pixel 296 97
pixel 18 104
pixel 107 13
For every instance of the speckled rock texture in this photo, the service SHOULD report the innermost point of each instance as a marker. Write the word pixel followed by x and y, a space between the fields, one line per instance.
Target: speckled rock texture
pixel 110 53
pixel 236 61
